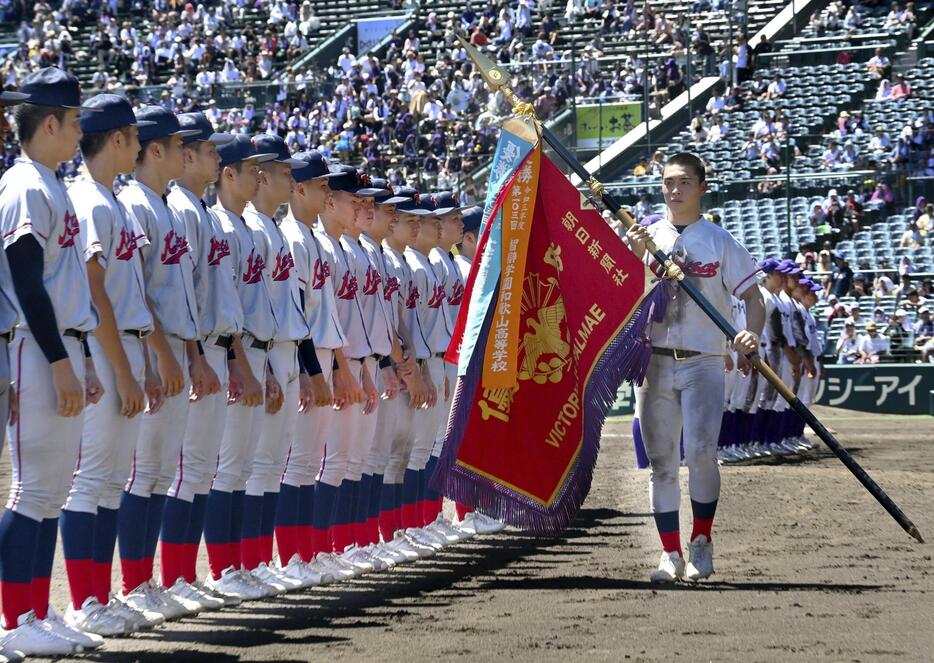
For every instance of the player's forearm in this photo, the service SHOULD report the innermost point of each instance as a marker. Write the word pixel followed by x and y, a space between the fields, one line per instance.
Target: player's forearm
pixel 240 360
pixel 755 310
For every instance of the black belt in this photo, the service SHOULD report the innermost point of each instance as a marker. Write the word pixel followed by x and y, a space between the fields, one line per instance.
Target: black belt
pixel 136 333
pixel 260 345
pixel 76 333
pixel 676 353
pixel 224 341
pixel 378 357
pixel 438 355
pixel 8 336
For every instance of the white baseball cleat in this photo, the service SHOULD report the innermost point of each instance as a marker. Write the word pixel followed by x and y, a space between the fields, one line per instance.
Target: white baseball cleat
pixel 327 575
pixel 266 575
pixel 233 584
pixel 395 555
pixel 329 562
pixel 424 539
pixel 93 617
pixel 136 620
pixel 384 557
pixel 670 567
pixel 190 596
pixel 483 524
pixel 140 601
pixel 700 565
pixel 33 637
pixel 152 597
pixel 7 651
pixel 423 550
pixel 229 601
pixel 353 555
pixel 299 570
pixel 441 527
pixel 86 641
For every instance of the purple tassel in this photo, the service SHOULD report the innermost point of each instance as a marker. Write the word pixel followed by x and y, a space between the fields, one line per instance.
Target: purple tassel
pixel 626 358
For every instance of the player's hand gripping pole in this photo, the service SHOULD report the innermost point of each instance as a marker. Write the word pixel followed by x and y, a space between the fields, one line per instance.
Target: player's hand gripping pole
pixel 498 79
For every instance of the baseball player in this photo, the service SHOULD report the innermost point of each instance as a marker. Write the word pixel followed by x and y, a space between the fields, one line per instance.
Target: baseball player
pixel 793 426
pixel 396 416
pixel 112 239
pixel 45 276
pixel 220 318
pixel 167 272
pixel 448 211
pixel 294 515
pixel 683 387
pixel 277 425
pixel 237 185
pixel 334 500
pixel 428 295
pixel 395 408
pixel 792 362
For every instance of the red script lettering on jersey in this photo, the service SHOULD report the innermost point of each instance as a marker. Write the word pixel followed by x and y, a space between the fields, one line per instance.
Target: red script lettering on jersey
pixel 457 294
pixel 219 251
pixel 174 248
pixel 703 270
pixel 284 264
pixel 127 245
pixel 413 297
pixel 373 279
pixel 320 273
pixel 70 231
pixel 348 287
pixel 391 288
pixel 437 296
pixel 254 268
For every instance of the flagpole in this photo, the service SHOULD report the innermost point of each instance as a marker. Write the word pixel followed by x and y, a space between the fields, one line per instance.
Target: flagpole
pixel 498 79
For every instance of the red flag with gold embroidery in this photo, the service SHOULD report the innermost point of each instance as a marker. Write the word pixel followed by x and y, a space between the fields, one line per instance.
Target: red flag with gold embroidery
pixel 567 325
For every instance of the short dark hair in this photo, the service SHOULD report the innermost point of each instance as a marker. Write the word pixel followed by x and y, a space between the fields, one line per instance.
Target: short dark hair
pixel 28 117
pixel 91 144
pixel 690 162
pixel 164 141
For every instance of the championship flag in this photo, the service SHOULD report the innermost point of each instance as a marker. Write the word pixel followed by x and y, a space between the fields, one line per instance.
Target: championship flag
pixel 558 317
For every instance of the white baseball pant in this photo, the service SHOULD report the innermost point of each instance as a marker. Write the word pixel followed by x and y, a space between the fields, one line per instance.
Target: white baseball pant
pixel 678 396
pixel 344 430
pixel 425 422
pixel 197 459
pixel 275 433
pixel 108 439
pixel 366 429
pixel 160 437
pixel 241 433
pixel 450 375
pixel 43 445
pixel 310 434
pixel 384 429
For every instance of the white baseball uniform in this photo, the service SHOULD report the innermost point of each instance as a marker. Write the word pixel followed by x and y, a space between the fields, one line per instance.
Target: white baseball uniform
pixel 44 445
pixel 314 277
pixel 450 275
pixel 168 272
pixel 276 429
pixel 426 302
pixel 220 318
pixel 241 429
pixel 395 416
pixel 345 429
pixel 114 238
pixel 687 395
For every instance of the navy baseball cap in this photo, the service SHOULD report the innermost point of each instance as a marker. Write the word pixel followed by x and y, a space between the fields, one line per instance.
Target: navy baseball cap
pixel 241 149
pixel 410 198
pixel 108 111
pixel 446 202
pixel 768 265
pixel 816 287
pixel 314 167
pixel 162 123
pixel 473 217
pixel 351 180
pixel 50 86
pixel 267 144
pixel 11 98
pixel 205 130
pixel 649 219
pixel 788 266
pixel 424 206
pixel 390 196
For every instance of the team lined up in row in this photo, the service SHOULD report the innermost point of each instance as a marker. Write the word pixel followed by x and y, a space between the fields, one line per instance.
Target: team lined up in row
pixel 289 375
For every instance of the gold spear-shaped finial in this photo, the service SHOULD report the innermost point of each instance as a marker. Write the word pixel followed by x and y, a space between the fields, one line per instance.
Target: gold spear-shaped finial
pixel 498 79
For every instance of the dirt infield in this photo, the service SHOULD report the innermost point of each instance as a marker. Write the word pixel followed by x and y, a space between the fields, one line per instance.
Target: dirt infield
pixel 809 568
